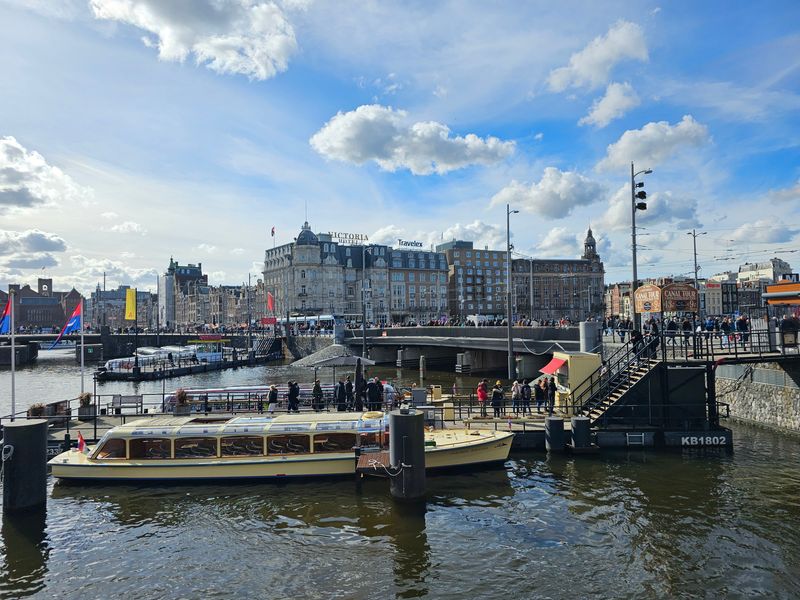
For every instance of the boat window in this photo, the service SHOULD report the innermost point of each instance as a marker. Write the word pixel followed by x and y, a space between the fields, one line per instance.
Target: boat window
pixel 337 426
pixel 197 447
pixel 288 444
pixel 112 449
pixel 242 445
pixel 368 439
pixel 286 427
pixel 334 442
pixel 147 448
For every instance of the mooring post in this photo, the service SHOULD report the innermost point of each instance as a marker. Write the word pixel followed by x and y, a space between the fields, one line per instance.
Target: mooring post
pixel 24 458
pixel 554 434
pixel 581 437
pixel 422 366
pixel 407 453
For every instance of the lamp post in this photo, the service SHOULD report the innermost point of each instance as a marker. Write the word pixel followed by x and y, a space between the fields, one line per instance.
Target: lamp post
pixel 511 366
pixel 634 207
pixel 694 235
pixel 364 301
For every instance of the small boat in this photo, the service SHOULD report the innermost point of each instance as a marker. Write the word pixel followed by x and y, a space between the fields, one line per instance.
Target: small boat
pixel 261 447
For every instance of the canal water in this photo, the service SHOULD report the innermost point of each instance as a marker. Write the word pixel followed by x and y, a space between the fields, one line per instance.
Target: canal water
pixel 632 524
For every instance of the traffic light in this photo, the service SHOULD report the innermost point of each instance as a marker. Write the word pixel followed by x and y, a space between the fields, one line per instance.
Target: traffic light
pixel 641 196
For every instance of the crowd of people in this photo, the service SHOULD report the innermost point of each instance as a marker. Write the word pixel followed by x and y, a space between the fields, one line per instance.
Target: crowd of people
pixel 542 392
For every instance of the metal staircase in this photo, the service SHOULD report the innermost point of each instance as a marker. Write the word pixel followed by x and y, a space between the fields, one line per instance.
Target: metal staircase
pixel 608 385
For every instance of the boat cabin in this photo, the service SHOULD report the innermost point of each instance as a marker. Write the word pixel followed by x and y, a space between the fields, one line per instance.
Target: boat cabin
pixel 167 438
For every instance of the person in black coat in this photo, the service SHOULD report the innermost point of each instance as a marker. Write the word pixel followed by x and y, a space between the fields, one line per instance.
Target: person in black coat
pixel 540 395
pixel 551 395
pixel 373 395
pixel 348 390
pixel 341 395
pixel 294 397
pixel 498 399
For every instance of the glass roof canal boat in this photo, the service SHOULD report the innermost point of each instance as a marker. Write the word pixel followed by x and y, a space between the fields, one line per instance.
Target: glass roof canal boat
pixel 174 449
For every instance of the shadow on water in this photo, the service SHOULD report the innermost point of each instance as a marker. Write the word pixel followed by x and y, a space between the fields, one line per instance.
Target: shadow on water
pixel 25 553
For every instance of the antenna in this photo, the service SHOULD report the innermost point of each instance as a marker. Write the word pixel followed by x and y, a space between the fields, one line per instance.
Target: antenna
pixel 305 202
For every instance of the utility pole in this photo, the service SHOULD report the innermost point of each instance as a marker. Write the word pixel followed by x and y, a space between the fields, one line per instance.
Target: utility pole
pixel 634 207
pixel 249 319
pixel 511 366
pixel 364 301
pixel 694 235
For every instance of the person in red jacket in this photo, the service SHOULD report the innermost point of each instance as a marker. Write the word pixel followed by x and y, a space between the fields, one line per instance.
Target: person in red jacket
pixel 483 396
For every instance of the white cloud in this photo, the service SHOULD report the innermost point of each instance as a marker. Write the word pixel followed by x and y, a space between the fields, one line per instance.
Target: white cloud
pixel 664 209
pixel 764 232
pixel 482 234
pixel 554 196
pixel 382 134
pixel 208 248
pixel 237 251
pixel 558 242
pixel 539 137
pixel 790 194
pixel 217 277
pixel 247 37
pixel 653 143
pixel 109 215
pixel 128 227
pixel 30 249
pixel 591 67
pixel 387 235
pixel 86 272
pixel 618 99
pixel 27 181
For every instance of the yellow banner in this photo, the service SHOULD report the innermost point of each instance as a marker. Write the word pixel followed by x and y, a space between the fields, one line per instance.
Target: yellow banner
pixel 130 304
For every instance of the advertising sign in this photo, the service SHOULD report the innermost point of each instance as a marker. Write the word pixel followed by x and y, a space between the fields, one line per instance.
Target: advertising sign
pixel 348 238
pixel 409 243
pixel 647 299
pixel 268 320
pixel 679 297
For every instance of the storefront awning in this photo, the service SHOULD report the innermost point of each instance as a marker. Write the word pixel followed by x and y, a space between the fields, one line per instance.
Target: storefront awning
pixel 553 366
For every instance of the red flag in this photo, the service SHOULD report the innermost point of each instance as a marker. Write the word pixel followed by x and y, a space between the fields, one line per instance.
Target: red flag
pixel 81 443
pixel 270 301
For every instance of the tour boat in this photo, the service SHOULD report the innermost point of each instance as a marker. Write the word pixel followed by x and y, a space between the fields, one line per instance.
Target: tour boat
pixel 261 447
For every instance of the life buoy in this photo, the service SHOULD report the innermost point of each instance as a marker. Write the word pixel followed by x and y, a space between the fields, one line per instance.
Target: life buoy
pixel 373 414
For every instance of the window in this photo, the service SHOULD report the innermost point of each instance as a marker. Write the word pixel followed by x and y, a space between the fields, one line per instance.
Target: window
pixel 303 288
pixel 411 276
pixel 195 447
pixel 456 253
pixel 302 274
pixel 334 442
pixel 288 444
pixel 468 254
pixel 112 449
pixel 243 445
pixel 150 448
pixel 347 251
pixel 469 279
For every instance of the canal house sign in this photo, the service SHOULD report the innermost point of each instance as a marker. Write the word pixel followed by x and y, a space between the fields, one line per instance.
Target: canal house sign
pixel 672 298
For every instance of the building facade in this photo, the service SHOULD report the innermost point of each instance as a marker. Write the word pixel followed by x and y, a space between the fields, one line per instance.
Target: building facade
pixel 770 271
pixel 556 288
pixel 174 288
pixel 476 280
pixel 42 308
pixel 418 286
pixel 107 307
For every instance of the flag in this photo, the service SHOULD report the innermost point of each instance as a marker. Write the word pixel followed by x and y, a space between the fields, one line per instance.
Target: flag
pixel 82 447
pixel 273 231
pixel 73 324
pixel 5 320
pixel 270 302
pixel 130 304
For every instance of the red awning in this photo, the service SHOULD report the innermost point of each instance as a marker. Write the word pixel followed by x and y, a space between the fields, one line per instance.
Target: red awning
pixel 553 366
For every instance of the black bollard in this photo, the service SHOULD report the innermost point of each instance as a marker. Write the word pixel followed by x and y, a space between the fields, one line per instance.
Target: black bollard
pixel 554 434
pixel 581 437
pixel 24 464
pixel 407 453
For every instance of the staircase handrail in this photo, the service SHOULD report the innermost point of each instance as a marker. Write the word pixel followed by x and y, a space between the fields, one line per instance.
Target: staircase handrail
pixel 595 376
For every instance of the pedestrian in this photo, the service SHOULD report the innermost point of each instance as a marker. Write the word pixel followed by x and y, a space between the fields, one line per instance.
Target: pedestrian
pixel 526 397
pixel 341 396
pixel 348 390
pixel 498 399
pixel 540 394
pixel 516 396
pixel 483 396
pixel 360 395
pixel 293 399
pixel 373 397
pixel 316 397
pixel 272 398
pixel 551 395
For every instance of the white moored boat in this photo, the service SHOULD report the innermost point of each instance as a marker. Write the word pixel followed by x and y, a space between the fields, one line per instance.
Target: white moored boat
pixel 257 447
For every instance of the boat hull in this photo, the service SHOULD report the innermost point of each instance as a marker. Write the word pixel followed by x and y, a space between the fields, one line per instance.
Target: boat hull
pixel 75 466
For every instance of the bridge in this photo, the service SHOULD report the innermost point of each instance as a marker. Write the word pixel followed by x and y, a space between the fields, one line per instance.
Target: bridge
pixel 487 346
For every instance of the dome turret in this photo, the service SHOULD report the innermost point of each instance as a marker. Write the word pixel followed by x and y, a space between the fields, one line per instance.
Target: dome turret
pixel 306 237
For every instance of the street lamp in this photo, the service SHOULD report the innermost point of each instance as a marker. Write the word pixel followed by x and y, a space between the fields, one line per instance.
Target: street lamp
pixel 511 366
pixel 641 195
pixel 364 301
pixel 694 235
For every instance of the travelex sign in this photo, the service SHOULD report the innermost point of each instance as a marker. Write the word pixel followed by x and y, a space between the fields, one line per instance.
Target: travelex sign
pixel 409 243
pixel 343 236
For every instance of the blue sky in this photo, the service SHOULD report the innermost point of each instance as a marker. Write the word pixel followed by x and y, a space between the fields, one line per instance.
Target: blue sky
pixel 136 130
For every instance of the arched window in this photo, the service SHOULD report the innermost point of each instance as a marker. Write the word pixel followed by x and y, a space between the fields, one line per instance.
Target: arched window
pixel 302 274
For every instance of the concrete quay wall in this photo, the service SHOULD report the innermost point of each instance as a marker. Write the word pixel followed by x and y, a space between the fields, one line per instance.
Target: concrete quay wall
pixel 296 347
pixel 763 393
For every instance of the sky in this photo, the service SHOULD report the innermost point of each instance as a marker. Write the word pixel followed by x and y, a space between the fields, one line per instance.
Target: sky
pixel 132 131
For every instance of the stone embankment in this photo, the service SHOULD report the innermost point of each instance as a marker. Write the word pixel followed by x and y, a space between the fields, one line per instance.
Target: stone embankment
pixel 296 347
pixel 763 393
